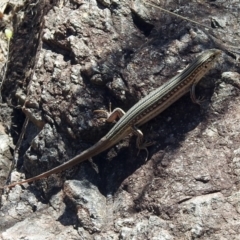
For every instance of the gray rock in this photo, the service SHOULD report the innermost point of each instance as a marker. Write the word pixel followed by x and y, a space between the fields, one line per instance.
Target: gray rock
pixel 69 58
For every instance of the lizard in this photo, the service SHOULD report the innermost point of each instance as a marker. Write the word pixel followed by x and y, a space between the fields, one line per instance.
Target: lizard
pixel 144 110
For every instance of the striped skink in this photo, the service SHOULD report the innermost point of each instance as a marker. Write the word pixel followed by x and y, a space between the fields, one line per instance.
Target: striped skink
pixel 146 109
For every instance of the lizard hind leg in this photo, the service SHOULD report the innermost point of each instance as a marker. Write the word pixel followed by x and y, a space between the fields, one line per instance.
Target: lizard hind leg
pixel 111 116
pixel 105 112
pixel 140 144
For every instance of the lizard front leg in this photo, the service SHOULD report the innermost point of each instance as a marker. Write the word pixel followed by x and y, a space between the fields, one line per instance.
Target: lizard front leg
pixel 193 95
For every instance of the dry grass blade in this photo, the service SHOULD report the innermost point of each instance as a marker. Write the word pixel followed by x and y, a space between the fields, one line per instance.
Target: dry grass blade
pixel 176 15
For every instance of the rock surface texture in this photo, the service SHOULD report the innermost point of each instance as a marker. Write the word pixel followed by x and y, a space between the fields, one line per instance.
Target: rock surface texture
pixel 69 58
